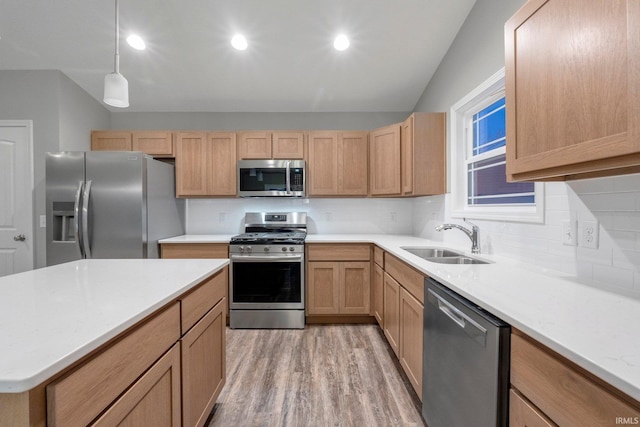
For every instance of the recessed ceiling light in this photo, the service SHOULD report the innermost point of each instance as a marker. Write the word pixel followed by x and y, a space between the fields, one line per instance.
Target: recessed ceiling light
pixel 239 42
pixel 341 42
pixel 136 42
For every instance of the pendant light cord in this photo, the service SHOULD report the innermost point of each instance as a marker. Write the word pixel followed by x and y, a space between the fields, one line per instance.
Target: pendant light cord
pixel 117 56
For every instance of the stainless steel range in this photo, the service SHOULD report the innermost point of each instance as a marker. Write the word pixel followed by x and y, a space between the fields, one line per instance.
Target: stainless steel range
pixel 266 287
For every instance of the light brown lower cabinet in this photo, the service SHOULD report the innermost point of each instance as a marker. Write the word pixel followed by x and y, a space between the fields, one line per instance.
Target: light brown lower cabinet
pixel 166 371
pixel 403 316
pixel 338 280
pixel 392 312
pixel 411 337
pixel 560 392
pixel 194 250
pixel 338 287
pixel 522 413
pixel 203 365
pixel 154 400
pixel 377 290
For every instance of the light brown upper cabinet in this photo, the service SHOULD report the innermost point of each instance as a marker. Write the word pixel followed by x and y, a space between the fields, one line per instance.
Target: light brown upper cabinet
pixel 206 164
pixel 423 150
pixel 385 164
pixel 107 140
pixel 154 143
pixel 572 77
pixel 338 163
pixel 271 145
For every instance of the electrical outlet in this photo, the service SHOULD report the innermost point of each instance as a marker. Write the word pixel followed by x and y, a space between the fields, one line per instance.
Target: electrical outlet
pixel 43 221
pixel 393 216
pixel 328 216
pixel 589 234
pixel 570 233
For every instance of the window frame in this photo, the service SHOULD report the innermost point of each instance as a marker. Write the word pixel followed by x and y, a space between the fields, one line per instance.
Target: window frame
pixel 484 95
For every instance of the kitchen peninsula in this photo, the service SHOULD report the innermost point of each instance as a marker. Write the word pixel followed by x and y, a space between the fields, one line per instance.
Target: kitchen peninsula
pixel 99 338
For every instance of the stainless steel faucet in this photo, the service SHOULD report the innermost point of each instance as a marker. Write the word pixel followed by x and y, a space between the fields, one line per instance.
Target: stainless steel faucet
pixel 472 234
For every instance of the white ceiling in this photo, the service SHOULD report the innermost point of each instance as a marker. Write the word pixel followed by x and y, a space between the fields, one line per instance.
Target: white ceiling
pixel 189 64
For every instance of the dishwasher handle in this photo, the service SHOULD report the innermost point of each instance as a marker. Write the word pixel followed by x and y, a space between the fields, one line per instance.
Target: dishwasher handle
pixel 470 326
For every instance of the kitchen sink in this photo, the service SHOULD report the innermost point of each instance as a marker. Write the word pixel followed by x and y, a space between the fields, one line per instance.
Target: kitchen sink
pixel 443 255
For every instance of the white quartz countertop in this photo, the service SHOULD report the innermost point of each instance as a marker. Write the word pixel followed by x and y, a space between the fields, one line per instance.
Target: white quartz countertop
pixel 596 329
pixel 52 317
pixel 199 238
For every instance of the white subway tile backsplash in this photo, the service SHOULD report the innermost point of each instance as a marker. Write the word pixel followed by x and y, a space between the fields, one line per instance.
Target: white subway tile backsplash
pixel 611 277
pixel 626 221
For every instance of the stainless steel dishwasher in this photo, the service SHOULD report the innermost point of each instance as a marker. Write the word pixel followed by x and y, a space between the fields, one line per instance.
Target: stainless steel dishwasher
pixel 465 375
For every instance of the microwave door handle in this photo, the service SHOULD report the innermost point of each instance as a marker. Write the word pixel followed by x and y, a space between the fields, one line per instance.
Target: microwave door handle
pixel 288 177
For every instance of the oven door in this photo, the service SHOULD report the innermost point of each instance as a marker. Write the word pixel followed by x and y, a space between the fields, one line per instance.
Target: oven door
pixel 267 282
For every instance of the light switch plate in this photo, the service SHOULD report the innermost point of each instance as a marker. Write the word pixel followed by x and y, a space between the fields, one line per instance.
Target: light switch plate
pixel 589 234
pixel 570 233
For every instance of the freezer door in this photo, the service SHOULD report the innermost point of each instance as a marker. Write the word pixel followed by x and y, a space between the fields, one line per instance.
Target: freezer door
pixel 116 206
pixel 64 183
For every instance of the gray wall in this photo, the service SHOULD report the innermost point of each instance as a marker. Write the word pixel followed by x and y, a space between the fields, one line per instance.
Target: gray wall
pixel 476 54
pixel 254 121
pixel 62 115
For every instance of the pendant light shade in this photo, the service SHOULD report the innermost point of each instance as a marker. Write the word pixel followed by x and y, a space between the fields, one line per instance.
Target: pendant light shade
pixel 116 87
pixel 116 90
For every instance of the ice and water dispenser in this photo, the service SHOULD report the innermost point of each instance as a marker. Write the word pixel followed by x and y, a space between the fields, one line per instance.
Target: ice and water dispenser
pixel 63 222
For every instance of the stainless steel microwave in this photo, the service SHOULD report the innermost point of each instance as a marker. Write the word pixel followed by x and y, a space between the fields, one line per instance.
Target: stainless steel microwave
pixel 271 178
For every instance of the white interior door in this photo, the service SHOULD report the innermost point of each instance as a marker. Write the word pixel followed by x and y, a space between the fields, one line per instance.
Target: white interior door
pixel 16 196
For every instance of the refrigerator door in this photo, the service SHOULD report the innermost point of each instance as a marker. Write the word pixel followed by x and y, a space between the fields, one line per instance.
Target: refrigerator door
pixel 64 186
pixel 116 217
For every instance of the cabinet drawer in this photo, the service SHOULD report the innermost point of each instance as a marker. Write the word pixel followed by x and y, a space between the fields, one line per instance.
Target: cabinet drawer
pixel 196 303
pixel 378 256
pixel 523 414
pixel 339 252
pixel 194 250
pixel 560 390
pixel 410 279
pixel 77 398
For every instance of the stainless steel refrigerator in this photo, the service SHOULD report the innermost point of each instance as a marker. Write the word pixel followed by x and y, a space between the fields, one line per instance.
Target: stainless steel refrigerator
pixel 109 204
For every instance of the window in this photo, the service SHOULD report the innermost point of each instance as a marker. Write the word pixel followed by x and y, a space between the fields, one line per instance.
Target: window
pixel 478 155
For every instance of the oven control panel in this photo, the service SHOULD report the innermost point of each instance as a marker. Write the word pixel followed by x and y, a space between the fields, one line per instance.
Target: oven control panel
pixel 266 249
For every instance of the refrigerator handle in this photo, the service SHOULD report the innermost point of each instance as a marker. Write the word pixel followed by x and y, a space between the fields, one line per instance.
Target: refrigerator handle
pixel 76 218
pixel 85 220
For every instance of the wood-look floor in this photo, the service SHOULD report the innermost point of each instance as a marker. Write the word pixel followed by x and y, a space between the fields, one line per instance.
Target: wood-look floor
pixel 324 375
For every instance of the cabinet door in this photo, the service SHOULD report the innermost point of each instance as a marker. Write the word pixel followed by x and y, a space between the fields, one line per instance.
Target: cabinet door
pixel 203 366
pixel 423 141
pixel 411 336
pixel 323 287
pixel 106 140
pixel 384 166
pixel 523 414
pixel 392 312
pixel 323 164
pixel 353 163
pixel 154 400
pixel 254 145
pixel 355 288
pixel 191 164
pixel 288 145
pixel 378 294
pixel 572 98
pixel 406 150
pixel 158 144
pixel 222 162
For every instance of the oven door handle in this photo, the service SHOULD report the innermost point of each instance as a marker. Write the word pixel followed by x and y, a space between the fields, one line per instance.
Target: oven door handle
pixel 249 258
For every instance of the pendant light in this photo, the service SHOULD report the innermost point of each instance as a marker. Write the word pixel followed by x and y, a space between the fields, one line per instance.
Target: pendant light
pixel 116 87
